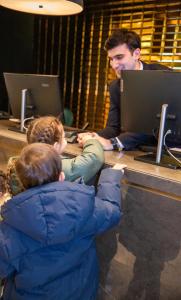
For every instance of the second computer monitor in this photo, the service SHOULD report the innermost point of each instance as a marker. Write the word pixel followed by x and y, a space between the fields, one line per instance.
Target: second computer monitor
pixel 142 95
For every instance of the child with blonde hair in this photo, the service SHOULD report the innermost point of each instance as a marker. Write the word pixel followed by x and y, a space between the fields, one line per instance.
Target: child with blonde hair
pixel 49 130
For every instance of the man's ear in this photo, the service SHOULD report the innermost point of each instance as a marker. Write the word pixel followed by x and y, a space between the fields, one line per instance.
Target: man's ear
pixel 62 176
pixel 137 53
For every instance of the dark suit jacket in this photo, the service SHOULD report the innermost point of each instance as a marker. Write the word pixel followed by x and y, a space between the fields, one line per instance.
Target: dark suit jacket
pixel 130 140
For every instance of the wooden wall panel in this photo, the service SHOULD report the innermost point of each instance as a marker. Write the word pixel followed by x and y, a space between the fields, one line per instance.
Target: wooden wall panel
pixel 73 48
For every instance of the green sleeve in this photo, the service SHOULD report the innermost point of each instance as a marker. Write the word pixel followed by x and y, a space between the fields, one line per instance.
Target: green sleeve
pixel 85 165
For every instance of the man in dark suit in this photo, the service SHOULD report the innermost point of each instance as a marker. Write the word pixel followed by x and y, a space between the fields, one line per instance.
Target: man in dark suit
pixel 123 48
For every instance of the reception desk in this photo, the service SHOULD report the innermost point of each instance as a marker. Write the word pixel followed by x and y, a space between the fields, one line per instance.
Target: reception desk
pixel 140 258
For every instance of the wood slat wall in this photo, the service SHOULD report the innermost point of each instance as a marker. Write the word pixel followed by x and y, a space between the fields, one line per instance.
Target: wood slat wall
pixel 73 48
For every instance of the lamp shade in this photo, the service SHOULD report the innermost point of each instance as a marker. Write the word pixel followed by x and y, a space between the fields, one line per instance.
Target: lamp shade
pixel 45 7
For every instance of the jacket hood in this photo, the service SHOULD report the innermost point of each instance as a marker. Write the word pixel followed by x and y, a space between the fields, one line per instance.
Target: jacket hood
pixel 51 214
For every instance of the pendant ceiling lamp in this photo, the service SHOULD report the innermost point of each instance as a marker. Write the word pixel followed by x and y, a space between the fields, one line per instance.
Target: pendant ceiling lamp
pixel 45 7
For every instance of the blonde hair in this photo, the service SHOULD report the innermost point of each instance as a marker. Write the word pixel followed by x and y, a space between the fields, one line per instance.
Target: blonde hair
pixel 46 130
pixel 3 182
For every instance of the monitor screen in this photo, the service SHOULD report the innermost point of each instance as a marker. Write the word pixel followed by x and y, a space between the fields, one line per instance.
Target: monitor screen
pixel 43 96
pixel 142 96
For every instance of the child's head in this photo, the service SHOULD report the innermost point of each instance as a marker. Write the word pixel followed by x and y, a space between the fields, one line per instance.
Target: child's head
pixel 39 164
pixel 3 183
pixel 48 130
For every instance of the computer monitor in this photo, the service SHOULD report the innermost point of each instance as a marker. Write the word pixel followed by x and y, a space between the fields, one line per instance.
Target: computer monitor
pixel 34 95
pixel 142 95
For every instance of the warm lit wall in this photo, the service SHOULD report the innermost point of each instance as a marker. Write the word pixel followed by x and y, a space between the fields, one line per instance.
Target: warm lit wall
pixel 73 47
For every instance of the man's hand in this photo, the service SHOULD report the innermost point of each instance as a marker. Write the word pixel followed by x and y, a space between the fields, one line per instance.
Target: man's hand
pixel 106 144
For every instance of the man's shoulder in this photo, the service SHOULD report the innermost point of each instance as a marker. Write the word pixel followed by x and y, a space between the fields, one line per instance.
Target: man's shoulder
pixel 114 86
pixel 154 66
pixel 115 82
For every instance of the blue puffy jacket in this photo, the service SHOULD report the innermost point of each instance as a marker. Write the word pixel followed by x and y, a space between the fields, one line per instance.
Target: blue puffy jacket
pixel 47 247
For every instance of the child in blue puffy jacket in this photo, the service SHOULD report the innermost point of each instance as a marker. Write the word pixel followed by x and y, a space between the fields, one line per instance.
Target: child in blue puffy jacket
pixel 47 232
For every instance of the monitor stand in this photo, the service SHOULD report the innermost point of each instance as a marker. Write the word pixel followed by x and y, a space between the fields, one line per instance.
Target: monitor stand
pixel 160 158
pixel 23 113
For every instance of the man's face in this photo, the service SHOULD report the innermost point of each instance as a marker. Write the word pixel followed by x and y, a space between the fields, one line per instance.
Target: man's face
pixel 121 58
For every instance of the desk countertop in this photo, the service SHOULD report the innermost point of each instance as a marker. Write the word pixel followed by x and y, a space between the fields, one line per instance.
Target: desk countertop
pixel 164 176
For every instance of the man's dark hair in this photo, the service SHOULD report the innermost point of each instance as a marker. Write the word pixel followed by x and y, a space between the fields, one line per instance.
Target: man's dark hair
pixel 123 36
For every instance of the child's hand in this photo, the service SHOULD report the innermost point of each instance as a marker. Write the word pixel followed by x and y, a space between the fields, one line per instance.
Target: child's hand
pixel 83 138
pixel 119 166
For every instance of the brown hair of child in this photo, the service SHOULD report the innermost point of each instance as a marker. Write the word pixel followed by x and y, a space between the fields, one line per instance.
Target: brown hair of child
pixel 38 164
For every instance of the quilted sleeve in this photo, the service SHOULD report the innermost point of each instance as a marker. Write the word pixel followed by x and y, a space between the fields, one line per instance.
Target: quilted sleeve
pixel 107 208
